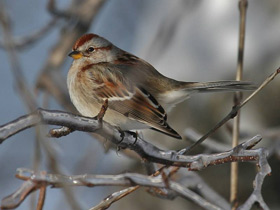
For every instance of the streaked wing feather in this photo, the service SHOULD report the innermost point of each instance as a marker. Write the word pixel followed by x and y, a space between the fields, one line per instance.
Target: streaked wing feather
pixel 135 103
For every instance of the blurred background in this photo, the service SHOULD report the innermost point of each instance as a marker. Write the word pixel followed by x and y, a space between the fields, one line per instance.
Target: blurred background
pixel 187 40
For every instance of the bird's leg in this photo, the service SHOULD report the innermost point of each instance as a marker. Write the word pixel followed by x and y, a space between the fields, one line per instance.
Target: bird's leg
pixel 102 111
pixel 122 133
pixel 135 135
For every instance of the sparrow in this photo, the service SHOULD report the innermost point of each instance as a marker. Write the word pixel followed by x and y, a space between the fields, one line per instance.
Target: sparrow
pixel 138 96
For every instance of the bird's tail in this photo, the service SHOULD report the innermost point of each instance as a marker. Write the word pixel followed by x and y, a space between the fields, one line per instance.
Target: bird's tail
pixel 218 86
pixel 183 90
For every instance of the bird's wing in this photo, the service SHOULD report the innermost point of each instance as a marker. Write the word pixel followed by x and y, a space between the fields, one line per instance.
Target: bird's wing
pixel 132 101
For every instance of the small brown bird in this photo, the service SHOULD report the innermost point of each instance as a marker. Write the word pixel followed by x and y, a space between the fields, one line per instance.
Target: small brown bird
pixel 138 95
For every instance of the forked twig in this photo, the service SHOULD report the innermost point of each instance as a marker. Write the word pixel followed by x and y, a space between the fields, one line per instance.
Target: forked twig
pixel 14 200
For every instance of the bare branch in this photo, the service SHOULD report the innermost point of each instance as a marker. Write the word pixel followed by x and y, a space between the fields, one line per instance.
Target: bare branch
pixel 211 144
pixel 51 6
pixel 14 200
pixel 195 183
pixel 132 179
pixel 256 196
pixel 162 193
pixel 143 148
pixel 127 140
pixel 127 179
pixel 23 42
pixel 108 201
pixel 25 93
pixel 42 197
pixel 188 194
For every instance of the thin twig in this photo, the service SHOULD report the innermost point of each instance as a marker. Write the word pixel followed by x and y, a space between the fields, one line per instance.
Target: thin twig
pixel 212 145
pixel 108 201
pixel 51 6
pixel 231 114
pixel 14 200
pixel 194 182
pixel 243 4
pixel 26 41
pixel 42 196
pixel 25 93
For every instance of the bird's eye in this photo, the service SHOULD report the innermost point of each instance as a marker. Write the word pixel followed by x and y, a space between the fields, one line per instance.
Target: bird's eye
pixel 90 49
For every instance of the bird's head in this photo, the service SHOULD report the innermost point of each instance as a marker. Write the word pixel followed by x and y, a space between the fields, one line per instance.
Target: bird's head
pixel 91 48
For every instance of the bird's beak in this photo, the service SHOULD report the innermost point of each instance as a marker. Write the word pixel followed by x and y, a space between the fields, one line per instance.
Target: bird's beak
pixel 75 54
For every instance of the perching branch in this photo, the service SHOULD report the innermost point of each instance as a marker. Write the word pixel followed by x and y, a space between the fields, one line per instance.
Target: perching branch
pixel 127 140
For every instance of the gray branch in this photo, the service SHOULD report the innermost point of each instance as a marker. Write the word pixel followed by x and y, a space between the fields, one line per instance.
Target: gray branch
pixel 89 180
pixel 127 140
pixel 256 196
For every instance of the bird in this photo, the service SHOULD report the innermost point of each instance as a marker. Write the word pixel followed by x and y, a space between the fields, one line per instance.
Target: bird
pixel 138 95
